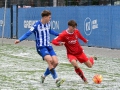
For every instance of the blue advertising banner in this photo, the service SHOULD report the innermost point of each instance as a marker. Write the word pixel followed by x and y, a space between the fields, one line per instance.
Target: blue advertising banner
pixel 7 22
pixel 99 24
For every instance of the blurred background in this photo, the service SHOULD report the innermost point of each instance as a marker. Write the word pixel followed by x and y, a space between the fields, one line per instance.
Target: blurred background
pixel 99 20
pixel 44 3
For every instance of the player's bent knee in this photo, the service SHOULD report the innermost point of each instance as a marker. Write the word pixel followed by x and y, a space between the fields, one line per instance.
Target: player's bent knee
pixel 88 64
pixel 56 64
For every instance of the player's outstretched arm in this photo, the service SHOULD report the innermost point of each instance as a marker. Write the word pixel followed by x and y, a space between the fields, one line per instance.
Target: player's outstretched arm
pixel 23 37
pixel 53 32
pixel 58 41
pixel 81 37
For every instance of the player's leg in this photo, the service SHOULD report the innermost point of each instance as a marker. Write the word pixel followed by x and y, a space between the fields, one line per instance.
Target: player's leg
pixel 82 58
pixel 53 55
pixel 89 63
pixel 54 61
pixel 49 60
pixel 73 61
pixel 46 73
pixel 42 51
pixel 50 57
pixel 78 70
pixel 51 69
pixel 59 81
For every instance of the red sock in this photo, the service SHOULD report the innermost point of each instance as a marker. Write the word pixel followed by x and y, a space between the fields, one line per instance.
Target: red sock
pixel 80 73
pixel 91 59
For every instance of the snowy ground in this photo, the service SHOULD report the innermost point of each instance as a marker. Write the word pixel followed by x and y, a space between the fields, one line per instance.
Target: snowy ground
pixel 21 68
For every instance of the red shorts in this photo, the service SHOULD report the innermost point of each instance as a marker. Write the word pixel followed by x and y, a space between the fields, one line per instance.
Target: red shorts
pixel 80 57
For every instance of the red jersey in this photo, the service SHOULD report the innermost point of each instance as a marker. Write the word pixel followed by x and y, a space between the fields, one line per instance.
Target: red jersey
pixel 71 41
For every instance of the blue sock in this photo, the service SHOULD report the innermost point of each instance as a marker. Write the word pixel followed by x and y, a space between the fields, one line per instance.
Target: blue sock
pixel 53 73
pixel 47 72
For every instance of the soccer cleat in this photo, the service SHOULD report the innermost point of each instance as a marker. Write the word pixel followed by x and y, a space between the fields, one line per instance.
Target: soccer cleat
pixel 85 80
pixel 42 79
pixel 59 82
pixel 95 58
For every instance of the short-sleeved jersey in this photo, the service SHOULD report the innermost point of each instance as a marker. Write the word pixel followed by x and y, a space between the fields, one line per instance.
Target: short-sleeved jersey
pixel 71 41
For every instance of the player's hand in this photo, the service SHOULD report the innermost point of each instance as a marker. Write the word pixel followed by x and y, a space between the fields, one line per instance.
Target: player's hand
pixel 86 41
pixel 17 41
pixel 62 43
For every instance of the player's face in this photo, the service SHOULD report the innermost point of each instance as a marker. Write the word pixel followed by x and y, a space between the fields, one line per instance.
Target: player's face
pixel 48 18
pixel 71 29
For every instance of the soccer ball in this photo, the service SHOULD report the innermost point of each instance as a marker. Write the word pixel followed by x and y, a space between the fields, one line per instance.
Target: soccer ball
pixel 97 79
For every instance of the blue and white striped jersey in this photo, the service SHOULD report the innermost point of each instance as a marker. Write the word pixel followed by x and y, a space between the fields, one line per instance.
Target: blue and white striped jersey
pixel 42 34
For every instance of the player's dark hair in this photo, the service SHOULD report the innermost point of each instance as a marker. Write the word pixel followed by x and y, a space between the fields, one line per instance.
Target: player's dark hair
pixel 72 23
pixel 45 13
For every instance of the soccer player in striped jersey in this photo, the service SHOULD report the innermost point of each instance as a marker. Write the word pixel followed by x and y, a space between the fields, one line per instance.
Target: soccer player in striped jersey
pixel 42 31
pixel 69 38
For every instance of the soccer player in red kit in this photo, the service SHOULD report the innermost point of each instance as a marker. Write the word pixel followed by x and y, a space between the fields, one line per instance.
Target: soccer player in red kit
pixel 69 38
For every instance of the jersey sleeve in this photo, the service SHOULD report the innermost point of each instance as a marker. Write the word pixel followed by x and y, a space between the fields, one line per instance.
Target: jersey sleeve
pixel 53 32
pixel 26 35
pixel 34 27
pixel 29 32
pixel 56 41
pixel 81 37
